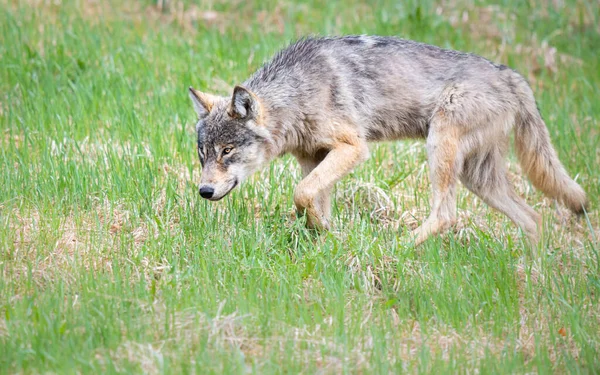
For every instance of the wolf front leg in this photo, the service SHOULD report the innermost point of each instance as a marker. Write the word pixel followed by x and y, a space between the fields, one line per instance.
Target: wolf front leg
pixel 312 195
pixel 323 199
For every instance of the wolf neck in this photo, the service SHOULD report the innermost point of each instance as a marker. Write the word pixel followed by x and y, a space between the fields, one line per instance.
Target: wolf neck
pixel 280 121
pixel 282 117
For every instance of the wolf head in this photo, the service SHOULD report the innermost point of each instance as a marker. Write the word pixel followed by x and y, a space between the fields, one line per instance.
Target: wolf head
pixel 232 139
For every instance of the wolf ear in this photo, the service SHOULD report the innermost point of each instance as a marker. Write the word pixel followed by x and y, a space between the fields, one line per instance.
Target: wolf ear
pixel 203 103
pixel 244 104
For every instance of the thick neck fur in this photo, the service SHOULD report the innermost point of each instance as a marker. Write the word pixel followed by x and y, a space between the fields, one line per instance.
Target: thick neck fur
pixel 285 116
pixel 282 124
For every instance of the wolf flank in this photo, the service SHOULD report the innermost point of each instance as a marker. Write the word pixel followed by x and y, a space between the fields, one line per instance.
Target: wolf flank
pixel 324 99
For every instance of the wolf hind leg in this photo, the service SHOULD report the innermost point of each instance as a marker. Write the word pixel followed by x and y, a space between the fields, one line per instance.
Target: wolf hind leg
pixel 485 174
pixel 445 160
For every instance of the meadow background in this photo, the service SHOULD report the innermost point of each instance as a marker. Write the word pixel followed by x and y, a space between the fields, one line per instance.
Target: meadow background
pixel 110 262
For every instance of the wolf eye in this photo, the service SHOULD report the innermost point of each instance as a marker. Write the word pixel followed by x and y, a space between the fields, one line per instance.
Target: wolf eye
pixel 227 150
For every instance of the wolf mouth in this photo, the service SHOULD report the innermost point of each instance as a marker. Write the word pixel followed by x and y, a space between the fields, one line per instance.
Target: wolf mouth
pixel 235 182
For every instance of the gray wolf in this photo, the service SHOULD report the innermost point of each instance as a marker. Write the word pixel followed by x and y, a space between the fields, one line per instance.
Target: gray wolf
pixel 324 99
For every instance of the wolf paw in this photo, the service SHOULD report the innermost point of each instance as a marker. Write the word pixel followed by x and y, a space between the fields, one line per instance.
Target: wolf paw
pixel 318 224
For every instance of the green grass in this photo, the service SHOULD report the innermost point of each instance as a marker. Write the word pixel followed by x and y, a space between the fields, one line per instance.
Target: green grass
pixel 111 263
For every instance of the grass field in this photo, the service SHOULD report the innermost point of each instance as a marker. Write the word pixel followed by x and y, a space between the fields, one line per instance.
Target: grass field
pixel 110 262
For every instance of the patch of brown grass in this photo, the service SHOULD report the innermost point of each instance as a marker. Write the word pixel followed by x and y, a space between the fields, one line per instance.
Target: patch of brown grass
pixel 43 251
pixel 230 332
pixel 70 149
pixel 185 331
pixel 3 328
pixel 84 241
pixel 11 139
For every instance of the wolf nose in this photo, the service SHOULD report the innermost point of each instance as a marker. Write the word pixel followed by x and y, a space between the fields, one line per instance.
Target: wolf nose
pixel 206 192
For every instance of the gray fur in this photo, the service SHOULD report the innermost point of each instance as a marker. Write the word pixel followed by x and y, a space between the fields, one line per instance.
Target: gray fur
pixel 388 87
pixel 323 99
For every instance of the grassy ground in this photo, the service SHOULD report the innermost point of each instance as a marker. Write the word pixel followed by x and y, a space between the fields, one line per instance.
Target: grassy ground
pixel 110 261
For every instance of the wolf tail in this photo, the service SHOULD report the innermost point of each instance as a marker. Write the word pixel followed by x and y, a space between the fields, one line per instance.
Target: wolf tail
pixel 539 159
